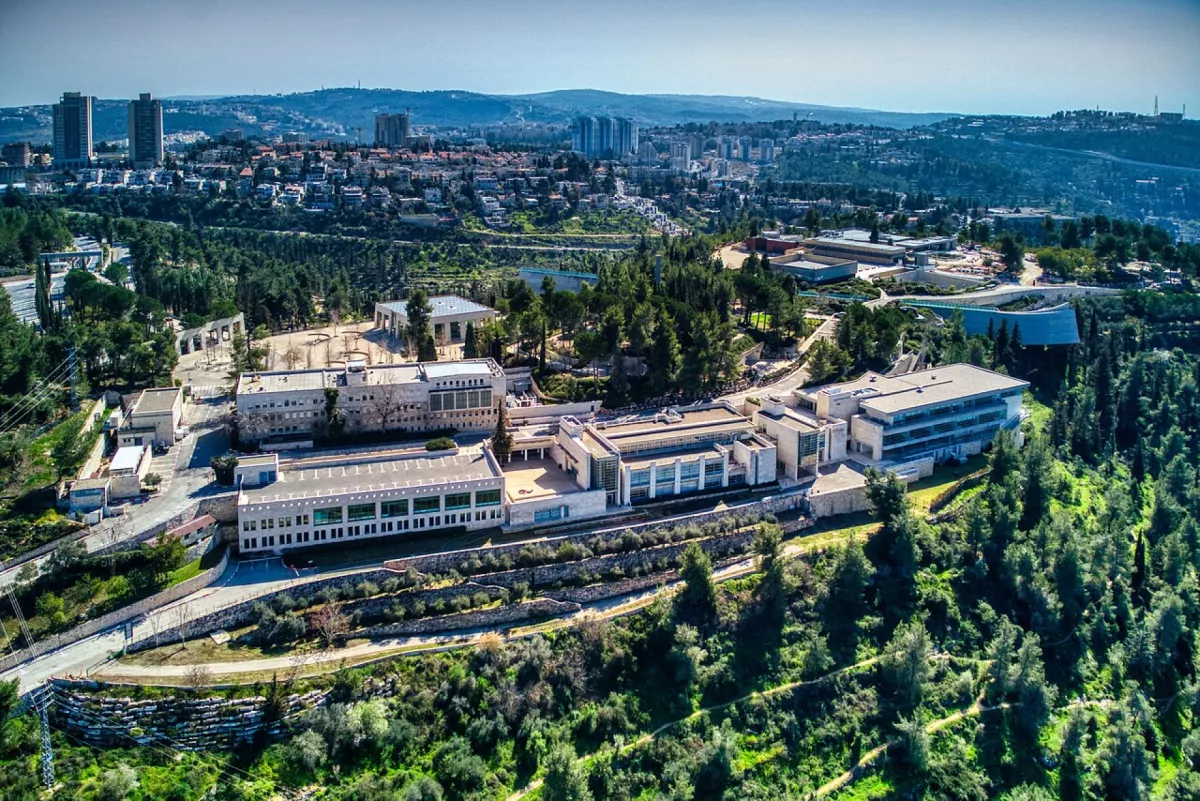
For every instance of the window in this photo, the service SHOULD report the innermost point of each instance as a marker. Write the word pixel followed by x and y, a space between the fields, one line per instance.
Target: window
pixel 425 505
pixel 302 520
pixel 395 508
pixel 331 514
pixel 551 514
pixel 249 525
pixel 458 500
pixel 487 497
pixel 361 511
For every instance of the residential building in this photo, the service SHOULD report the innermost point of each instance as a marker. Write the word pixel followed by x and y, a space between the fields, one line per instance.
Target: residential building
pixel 146 132
pixel 766 151
pixel 627 136
pixel 391 130
pixel 154 419
pixel 942 413
pixel 604 136
pixel 17 154
pixel 357 497
pixel 292 408
pixel 295 138
pixel 448 321
pixel 73 130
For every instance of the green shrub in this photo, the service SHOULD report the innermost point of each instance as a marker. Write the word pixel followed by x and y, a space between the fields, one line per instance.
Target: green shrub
pixel 440 444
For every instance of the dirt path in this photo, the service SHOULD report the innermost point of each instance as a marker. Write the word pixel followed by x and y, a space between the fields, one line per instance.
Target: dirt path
pixel 868 758
pixel 651 735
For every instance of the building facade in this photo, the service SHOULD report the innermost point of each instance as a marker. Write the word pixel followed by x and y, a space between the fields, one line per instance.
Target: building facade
pixel 154 418
pixel 448 319
pixel 943 413
pixel 391 130
pixel 292 408
pixel 360 497
pixel 604 136
pixel 17 154
pixel 146 132
pixel 73 130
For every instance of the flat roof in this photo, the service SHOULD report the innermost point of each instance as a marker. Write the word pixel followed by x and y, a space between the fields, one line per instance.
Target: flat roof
pixel 442 305
pixel 690 454
pixel 330 476
pixel 376 375
pixel 536 479
pixel 891 394
pixel 674 423
pixel 127 458
pixel 435 370
pixel 90 484
pixel 152 401
pixel 255 461
pixel 832 241
pixel 788 418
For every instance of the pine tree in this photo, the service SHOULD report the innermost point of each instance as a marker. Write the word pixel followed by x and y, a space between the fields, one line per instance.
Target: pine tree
pixel 470 342
pixel 502 440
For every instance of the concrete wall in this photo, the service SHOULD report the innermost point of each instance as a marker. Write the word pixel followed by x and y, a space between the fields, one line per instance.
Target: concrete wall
pixel 95 456
pixel 239 613
pixel 582 505
pixel 941 278
pixel 119 616
pixel 577 409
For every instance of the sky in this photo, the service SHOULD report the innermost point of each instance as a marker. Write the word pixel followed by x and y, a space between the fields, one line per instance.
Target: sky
pixel 969 56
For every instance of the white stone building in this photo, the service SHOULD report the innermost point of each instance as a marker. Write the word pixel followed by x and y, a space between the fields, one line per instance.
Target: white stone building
pixel 292 407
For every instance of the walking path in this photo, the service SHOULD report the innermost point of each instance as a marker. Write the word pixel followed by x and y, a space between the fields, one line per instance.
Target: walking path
pixel 378 648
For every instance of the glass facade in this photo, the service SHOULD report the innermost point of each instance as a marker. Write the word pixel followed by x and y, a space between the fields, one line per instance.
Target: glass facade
pixel 395 508
pixel 460 399
pixel 487 498
pixel 423 506
pixel 323 517
pixel 360 511
pixel 458 500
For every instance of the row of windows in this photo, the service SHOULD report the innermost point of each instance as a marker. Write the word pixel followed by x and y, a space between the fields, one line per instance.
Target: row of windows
pixel 368 529
pixel 551 514
pixel 461 399
pixel 332 515
pixel 271 522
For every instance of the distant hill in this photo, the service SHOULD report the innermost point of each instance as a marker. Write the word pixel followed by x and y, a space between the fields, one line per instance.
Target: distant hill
pixel 338 112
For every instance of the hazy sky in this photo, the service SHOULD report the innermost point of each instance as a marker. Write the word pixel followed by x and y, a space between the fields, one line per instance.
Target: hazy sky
pixel 1002 56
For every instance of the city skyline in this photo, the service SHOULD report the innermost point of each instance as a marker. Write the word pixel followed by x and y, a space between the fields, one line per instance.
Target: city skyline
pixel 1024 58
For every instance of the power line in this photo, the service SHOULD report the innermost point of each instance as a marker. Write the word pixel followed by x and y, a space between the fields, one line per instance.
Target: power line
pixel 53 375
pixel 30 401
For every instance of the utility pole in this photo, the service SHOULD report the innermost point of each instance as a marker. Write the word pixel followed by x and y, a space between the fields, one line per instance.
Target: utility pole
pixel 47 758
pixel 74 382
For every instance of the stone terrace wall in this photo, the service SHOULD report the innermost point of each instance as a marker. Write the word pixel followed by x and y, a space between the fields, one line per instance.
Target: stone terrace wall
pixel 482 618
pixel 239 614
pixel 452 560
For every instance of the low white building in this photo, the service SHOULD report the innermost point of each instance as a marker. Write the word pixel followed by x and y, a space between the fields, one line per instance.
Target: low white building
pixel 358 497
pixel 154 419
pixel 128 467
pixel 448 321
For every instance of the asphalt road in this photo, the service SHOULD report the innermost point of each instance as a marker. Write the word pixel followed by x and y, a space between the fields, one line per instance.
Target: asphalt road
pixel 190 481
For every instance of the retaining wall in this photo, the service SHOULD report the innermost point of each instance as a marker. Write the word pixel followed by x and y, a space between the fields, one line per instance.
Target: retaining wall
pixel 239 614
pixel 482 618
pixel 119 616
